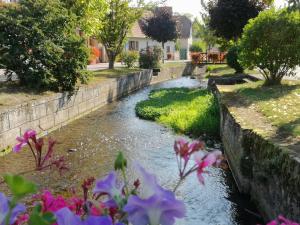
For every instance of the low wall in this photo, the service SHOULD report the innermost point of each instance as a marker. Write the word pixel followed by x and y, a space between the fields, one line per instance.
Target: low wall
pixel 268 172
pixel 57 110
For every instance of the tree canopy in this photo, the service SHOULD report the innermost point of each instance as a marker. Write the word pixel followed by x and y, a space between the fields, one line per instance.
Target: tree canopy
pixel 38 42
pixel 161 26
pixel 228 17
pixel 271 43
pixel 116 23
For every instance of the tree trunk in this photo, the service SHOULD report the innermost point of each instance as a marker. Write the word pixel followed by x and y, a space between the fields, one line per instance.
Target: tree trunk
pixel 111 60
pixel 163 47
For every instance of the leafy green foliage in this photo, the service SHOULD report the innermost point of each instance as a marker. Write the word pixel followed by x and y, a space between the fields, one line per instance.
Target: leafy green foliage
pixel 232 59
pixel 189 111
pixel 37 217
pixel 228 17
pixel 116 23
pixel 271 42
pixel 89 14
pixel 196 47
pixel 38 42
pixel 160 27
pixel 19 186
pixel 120 162
pixel 203 31
pixel 130 58
pixel 150 58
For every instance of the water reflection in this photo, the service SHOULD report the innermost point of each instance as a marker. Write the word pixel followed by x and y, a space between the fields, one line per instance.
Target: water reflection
pixel 98 137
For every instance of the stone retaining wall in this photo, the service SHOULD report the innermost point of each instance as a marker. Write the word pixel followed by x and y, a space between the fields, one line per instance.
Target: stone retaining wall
pixel 268 172
pixel 57 110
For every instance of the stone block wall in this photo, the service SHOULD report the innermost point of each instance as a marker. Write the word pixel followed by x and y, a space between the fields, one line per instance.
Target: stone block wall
pixel 57 110
pixel 270 173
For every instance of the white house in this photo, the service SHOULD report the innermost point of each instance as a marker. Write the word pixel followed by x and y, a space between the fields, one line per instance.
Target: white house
pixel 137 40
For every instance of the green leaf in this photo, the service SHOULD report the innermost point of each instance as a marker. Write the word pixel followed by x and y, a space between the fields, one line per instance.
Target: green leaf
pixel 19 186
pixel 38 218
pixel 120 162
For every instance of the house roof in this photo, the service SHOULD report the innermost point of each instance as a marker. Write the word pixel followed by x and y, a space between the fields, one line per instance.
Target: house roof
pixel 184 25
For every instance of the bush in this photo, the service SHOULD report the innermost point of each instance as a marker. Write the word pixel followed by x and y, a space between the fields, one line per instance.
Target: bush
pixel 150 57
pixel 38 42
pixel 232 59
pixel 196 47
pixel 271 43
pixel 130 58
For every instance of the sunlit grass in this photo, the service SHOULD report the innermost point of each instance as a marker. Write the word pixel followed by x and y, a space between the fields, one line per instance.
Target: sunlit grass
pixel 188 111
pixel 279 104
pixel 223 71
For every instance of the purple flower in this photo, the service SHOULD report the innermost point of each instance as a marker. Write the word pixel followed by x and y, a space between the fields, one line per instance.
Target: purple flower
pixel 158 207
pixel 65 216
pixel 4 209
pixel 24 140
pixel 109 186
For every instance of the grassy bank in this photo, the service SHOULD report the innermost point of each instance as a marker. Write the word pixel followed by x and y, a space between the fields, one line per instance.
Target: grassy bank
pixel 189 111
pixel 280 104
pixel 224 71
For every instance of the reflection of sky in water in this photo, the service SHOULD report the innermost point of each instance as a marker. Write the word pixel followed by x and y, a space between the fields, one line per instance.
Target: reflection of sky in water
pixel 101 134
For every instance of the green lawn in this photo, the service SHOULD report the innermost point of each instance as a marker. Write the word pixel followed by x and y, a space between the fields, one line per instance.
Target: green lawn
pixel 223 71
pixel 172 64
pixel 279 104
pixel 188 111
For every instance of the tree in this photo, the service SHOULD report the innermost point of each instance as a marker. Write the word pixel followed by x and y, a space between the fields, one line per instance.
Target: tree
pixel 160 27
pixel 38 42
pixel 89 14
pixel 271 43
pixel 228 17
pixel 116 23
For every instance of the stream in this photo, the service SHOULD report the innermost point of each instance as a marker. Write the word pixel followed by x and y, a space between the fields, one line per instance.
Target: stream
pixel 96 139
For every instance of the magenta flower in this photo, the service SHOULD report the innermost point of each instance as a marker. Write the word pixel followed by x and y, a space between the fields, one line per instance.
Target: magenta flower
pixel 282 221
pixel 204 160
pixel 4 209
pixel 157 207
pixel 185 149
pixel 51 203
pixel 23 141
pixel 66 217
pixel 108 186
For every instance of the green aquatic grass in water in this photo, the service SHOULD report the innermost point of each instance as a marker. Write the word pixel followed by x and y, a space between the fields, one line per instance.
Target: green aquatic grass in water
pixel 189 111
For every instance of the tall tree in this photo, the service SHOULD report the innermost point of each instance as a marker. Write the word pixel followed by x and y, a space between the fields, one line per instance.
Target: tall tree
pixel 116 23
pixel 228 17
pixel 89 14
pixel 161 26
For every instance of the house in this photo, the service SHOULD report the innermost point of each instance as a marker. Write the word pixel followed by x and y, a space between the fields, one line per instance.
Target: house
pixel 137 40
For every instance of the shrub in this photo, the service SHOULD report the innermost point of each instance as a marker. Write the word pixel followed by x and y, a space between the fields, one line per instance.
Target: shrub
pixel 39 43
pixel 196 47
pixel 271 43
pixel 150 57
pixel 232 59
pixel 130 58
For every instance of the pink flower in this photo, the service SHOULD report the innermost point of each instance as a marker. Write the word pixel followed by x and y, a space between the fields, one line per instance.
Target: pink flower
pixel 23 141
pixel 282 221
pixel 185 149
pixel 51 203
pixel 204 159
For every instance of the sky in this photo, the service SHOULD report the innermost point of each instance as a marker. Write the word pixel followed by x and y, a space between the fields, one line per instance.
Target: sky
pixel 194 7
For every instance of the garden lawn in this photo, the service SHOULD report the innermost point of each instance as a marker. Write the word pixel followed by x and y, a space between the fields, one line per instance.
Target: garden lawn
pixel 279 104
pixel 223 71
pixel 189 111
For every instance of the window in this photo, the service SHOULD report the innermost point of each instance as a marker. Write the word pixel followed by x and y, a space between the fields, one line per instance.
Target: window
pixel 133 45
pixel 168 49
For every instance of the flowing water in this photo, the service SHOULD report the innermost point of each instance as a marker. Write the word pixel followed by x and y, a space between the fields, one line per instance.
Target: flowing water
pixel 96 139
